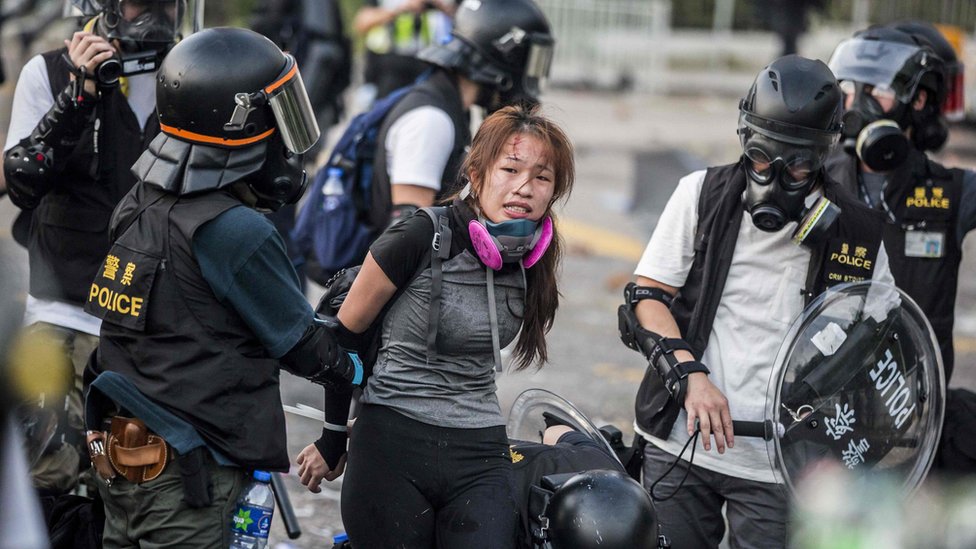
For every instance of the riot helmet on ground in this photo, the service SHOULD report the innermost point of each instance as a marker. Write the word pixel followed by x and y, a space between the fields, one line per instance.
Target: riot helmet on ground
pixel 601 509
pixel 235 98
pixel 503 45
pixel 883 69
pixel 788 123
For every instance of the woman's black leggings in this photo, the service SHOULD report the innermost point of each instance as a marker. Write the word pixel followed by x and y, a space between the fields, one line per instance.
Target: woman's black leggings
pixel 413 485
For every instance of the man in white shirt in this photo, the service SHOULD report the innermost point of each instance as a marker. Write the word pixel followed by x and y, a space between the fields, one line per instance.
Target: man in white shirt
pixel 81 116
pixel 425 136
pixel 736 254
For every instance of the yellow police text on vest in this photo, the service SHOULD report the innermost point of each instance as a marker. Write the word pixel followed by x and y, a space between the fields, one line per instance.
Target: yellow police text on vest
pixel 116 302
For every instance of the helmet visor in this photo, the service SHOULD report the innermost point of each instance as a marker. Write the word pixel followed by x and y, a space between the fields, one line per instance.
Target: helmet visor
pixel 750 122
pixel 879 63
pixel 292 109
pixel 537 64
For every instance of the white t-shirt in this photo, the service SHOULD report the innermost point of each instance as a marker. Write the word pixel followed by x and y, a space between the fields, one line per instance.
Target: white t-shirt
pixel 762 296
pixel 418 146
pixel 32 100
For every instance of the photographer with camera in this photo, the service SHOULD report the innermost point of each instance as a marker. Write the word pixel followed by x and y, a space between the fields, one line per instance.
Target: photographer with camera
pixel 81 116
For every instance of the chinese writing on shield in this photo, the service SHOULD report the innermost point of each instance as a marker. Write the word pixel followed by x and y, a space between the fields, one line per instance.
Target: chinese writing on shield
pixel 840 425
pixel 854 454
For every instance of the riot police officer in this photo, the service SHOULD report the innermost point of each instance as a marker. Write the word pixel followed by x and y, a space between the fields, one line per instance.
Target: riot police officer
pixel 895 84
pixel 81 116
pixel 200 306
pixel 735 256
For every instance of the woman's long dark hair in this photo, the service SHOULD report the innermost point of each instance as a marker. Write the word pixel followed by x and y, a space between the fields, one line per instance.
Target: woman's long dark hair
pixel 542 294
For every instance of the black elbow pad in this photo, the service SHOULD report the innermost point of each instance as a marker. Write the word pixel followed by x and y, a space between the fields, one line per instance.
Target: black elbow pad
pixel 318 357
pixel 29 166
pixel 29 171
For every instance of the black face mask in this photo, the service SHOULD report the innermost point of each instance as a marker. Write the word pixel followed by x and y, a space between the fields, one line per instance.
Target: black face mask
pixel 876 137
pixel 281 180
pixel 779 177
pixel 775 197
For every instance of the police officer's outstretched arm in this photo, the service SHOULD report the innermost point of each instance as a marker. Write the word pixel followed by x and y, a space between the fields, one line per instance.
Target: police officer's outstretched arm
pixel 326 457
pixel 704 402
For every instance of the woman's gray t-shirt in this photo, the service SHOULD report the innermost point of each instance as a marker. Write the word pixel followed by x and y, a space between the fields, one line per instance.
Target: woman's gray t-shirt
pixel 454 386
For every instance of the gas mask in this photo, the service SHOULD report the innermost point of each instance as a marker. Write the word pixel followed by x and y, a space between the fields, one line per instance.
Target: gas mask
pixel 143 41
pixel 282 178
pixel 779 178
pixel 510 241
pixel 153 29
pixel 894 65
pixel 875 136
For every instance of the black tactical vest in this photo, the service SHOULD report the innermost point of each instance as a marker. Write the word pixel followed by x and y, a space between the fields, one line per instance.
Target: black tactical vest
pixel 924 199
pixel 847 254
pixel 69 229
pixel 163 328
pixel 441 91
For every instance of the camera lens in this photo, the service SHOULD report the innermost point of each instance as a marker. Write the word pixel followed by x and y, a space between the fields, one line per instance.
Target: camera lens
pixel 108 72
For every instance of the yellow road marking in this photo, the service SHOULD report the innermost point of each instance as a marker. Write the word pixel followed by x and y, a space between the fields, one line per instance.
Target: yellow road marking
pixel 616 372
pixel 964 344
pixel 600 241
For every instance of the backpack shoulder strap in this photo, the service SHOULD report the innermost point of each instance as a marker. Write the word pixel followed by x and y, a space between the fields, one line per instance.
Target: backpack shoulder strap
pixel 440 250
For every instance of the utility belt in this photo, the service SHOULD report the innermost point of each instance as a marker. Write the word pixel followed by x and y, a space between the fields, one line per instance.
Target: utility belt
pixel 128 448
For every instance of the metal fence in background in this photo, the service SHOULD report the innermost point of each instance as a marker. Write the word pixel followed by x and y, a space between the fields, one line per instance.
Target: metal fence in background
pixel 608 43
pixel 960 13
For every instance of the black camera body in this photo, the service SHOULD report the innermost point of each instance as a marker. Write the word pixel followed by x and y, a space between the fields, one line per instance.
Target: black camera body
pixel 108 72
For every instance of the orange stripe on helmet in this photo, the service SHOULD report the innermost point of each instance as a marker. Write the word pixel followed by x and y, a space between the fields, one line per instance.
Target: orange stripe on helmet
pixel 199 137
pixel 283 80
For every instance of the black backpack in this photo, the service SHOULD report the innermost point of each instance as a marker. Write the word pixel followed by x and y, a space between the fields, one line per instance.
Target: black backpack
pixel 336 236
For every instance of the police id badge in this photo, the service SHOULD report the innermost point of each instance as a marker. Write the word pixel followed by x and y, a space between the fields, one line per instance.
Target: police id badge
pixel 930 244
pixel 120 292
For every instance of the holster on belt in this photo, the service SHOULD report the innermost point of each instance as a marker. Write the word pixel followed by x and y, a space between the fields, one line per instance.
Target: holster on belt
pixel 135 452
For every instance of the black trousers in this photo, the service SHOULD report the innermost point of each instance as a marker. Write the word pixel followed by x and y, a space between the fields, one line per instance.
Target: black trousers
pixel 413 485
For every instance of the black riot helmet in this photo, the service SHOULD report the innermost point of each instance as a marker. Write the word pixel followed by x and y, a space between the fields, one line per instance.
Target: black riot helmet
pixel 885 61
pixel 947 93
pixel 504 45
pixel 788 123
pixel 601 509
pixel 240 101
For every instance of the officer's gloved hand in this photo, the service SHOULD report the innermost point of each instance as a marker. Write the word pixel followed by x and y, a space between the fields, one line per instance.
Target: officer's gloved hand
pixel 346 373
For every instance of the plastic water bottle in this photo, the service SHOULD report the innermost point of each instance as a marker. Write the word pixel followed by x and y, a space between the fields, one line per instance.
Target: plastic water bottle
pixel 340 541
pixel 250 521
pixel 332 189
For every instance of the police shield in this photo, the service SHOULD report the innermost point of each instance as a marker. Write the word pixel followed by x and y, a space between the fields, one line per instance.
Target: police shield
pixel 858 383
pixel 526 421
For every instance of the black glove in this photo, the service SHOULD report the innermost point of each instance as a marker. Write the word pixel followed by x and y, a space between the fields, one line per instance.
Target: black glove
pixel 331 446
pixel 345 374
pixel 553 420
